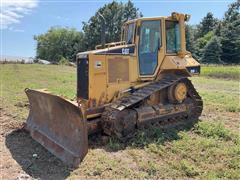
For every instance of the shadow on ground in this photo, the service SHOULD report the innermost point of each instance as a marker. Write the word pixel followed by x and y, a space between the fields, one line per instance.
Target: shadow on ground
pixel 142 137
pixel 46 166
pixel 24 150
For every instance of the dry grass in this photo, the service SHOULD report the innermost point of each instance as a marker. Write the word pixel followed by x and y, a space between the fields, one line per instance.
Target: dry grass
pixel 210 150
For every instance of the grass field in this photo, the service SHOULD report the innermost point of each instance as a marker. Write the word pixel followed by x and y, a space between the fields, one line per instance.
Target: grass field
pixel 210 150
pixel 221 71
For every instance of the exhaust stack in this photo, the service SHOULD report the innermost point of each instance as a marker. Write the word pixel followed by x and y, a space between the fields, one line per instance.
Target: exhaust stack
pixel 103 30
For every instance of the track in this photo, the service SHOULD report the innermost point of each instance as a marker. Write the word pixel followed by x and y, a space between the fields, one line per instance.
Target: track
pixel 145 92
pixel 121 119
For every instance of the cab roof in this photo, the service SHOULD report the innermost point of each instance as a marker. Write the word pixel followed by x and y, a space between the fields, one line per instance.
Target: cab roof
pixel 172 16
pixel 144 18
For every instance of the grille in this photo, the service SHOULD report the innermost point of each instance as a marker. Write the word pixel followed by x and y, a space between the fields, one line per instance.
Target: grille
pixel 82 78
pixel 118 69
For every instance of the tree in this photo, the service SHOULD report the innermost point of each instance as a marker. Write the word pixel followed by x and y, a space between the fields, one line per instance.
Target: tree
pixel 201 43
pixel 230 34
pixel 63 43
pixel 217 30
pixel 115 15
pixel 63 61
pixel 130 12
pixel 212 51
pixel 59 43
pixel 189 38
pixel 207 24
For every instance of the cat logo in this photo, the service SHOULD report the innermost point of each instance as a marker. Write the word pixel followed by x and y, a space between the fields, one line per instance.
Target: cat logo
pixel 125 51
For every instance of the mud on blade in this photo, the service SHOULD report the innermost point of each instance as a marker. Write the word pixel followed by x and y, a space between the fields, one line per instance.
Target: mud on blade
pixel 58 125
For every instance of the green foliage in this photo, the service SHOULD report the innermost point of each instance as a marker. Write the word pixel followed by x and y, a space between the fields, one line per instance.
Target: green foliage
pixel 227 30
pixel 153 134
pixel 130 11
pixel 207 24
pixel 63 61
pixel 230 38
pixel 189 30
pixel 216 130
pixel 115 14
pixel 189 169
pixel 114 144
pixel 212 51
pixel 59 42
pixel 201 43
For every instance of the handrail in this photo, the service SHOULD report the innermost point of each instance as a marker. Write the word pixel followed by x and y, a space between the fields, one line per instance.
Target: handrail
pixel 112 44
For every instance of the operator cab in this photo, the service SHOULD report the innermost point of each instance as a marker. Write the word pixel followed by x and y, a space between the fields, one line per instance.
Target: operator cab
pixel 154 38
pixel 152 29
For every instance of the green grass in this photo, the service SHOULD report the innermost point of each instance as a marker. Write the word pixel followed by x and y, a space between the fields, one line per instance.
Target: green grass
pixel 219 94
pixel 210 150
pixel 221 71
pixel 15 78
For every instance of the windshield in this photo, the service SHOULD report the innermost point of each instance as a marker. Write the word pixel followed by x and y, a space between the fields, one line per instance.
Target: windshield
pixel 172 36
pixel 149 44
pixel 129 32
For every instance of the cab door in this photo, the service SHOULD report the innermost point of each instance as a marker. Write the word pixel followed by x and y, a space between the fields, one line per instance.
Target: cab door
pixel 150 42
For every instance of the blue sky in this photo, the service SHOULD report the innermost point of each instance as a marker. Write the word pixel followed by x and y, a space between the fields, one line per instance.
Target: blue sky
pixel 22 19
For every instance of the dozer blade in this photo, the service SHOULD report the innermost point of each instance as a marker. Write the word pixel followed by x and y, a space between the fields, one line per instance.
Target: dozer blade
pixel 58 125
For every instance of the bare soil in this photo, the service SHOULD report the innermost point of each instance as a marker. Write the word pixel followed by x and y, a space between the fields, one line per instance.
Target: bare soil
pixel 24 158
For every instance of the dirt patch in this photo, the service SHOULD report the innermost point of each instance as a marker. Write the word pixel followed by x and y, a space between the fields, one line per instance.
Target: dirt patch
pixel 22 104
pixel 24 158
pixel 8 124
pixel 230 119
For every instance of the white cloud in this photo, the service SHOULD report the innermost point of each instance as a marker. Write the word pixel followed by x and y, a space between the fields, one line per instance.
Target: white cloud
pixel 15 30
pixel 13 10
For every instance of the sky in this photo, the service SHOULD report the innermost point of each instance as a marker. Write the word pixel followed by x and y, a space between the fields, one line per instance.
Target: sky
pixel 20 20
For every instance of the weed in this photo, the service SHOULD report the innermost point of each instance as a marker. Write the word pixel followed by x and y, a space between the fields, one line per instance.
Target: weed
pixel 233 109
pixel 149 167
pixel 216 130
pixel 153 134
pixel 156 148
pixel 188 168
pixel 114 144
pixel 234 163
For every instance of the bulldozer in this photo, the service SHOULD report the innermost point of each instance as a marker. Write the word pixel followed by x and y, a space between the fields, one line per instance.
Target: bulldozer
pixel 122 86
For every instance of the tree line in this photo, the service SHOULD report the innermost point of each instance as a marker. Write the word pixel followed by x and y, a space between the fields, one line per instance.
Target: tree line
pixel 214 40
pixel 211 41
pixel 59 44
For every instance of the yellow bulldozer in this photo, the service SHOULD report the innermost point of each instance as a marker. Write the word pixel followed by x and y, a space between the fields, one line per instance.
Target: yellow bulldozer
pixel 121 86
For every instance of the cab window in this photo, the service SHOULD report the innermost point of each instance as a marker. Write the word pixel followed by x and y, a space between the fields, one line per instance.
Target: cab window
pixel 172 36
pixel 149 44
pixel 129 33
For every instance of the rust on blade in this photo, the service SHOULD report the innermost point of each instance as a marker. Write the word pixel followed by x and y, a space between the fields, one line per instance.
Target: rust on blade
pixel 59 125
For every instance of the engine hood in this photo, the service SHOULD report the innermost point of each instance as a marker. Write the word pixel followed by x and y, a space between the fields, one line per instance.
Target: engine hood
pixel 121 49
